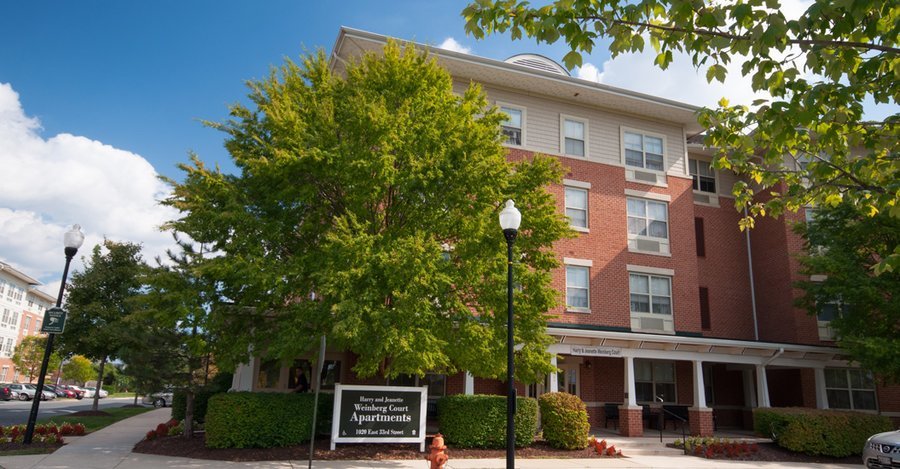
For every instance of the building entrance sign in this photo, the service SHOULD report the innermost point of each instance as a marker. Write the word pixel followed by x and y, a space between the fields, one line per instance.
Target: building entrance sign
pixel 590 351
pixel 379 414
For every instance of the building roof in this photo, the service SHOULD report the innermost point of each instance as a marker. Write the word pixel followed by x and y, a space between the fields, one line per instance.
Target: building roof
pixel 17 274
pixel 551 83
pixel 42 295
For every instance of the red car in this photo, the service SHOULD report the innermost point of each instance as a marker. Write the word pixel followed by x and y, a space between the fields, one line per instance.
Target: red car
pixel 72 391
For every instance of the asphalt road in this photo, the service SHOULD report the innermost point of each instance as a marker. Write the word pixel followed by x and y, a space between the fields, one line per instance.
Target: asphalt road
pixel 16 412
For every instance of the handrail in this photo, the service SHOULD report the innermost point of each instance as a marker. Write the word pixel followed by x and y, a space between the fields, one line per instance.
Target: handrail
pixel 662 422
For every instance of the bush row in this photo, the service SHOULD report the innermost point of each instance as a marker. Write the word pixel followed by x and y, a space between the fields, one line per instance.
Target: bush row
pixel 818 432
pixel 564 419
pixel 258 420
pixel 479 421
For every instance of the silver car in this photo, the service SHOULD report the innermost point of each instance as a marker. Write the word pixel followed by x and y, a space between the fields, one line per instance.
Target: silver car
pixel 159 399
pixel 882 450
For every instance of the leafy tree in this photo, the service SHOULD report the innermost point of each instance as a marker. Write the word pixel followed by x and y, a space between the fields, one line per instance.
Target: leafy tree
pixel 100 299
pixel 29 353
pixel 809 143
pixel 78 368
pixel 845 245
pixel 366 210
pixel 152 358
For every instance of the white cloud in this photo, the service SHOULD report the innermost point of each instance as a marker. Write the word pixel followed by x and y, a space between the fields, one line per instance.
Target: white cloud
pixel 47 185
pixel 451 44
pixel 589 72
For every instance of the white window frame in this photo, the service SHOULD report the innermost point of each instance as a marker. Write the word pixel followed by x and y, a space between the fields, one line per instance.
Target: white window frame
pixel 562 135
pixel 643 133
pixel 653 381
pixel 586 266
pixel 825 330
pixel 695 175
pixel 664 242
pixel 522 110
pixel 668 319
pixel 587 204
pixel 849 389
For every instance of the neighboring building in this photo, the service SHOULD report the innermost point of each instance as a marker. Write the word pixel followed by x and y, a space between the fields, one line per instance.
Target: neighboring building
pixel 666 299
pixel 22 309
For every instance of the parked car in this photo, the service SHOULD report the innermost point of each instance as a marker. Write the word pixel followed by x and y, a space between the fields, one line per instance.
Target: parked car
pixel 882 450
pixel 159 399
pixel 77 392
pixel 6 393
pixel 89 392
pixel 27 392
pixel 55 390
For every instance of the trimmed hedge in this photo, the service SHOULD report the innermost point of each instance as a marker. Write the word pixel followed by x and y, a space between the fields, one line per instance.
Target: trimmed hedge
pixel 819 432
pixel 479 421
pixel 259 420
pixel 201 402
pixel 564 419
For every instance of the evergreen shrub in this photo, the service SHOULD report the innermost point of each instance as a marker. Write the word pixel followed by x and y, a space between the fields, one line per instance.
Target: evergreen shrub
pixel 479 421
pixel 819 432
pixel 564 420
pixel 258 420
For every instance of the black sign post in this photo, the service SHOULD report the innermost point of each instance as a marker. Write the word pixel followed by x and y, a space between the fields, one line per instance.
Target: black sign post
pixel 379 414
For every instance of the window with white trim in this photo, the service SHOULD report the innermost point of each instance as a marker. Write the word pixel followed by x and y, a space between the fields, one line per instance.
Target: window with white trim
pixel 643 151
pixel 648 218
pixel 653 380
pixel 27 323
pixel 651 294
pixel 825 313
pixel 703 175
pixel 513 125
pixel 850 388
pixel 3 373
pixel 574 136
pixel 577 207
pixel 578 280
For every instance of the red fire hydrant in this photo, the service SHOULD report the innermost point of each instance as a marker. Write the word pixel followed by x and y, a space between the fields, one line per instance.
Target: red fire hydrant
pixel 437 455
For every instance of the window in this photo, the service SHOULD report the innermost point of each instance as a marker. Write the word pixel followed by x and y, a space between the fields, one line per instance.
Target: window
pixel 5 319
pixel 9 346
pixel 299 376
pixel 705 322
pixel 577 207
pixel 643 151
pixel 826 313
pixel 331 374
pixel 700 237
pixel 574 136
pixel 850 389
pixel 654 380
pixel 269 374
pixel 15 319
pixel 650 294
pixel 703 175
pixel 3 373
pixel 512 127
pixel 578 288
pixel 27 322
pixel 648 218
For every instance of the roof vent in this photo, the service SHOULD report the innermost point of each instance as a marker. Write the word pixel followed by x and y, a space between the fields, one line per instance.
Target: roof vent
pixel 538 62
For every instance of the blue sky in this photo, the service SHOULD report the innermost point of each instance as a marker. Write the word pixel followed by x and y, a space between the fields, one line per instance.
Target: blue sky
pixel 98 98
pixel 139 75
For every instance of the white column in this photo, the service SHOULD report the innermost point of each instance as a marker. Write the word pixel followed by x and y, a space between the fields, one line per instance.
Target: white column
pixel 762 387
pixel 469 387
pixel 554 376
pixel 821 395
pixel 699 387
pixel 630 393
pixel 749 388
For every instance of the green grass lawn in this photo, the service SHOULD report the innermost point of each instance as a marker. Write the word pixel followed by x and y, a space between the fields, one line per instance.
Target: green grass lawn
pixel 95 423
pixel 123 394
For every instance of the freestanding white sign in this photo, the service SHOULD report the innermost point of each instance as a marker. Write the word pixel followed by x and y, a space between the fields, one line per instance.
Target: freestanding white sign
pixel 379 414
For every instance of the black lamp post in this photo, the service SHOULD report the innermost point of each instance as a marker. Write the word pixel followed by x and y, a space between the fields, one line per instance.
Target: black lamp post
pixel 72 241
pixel 510 219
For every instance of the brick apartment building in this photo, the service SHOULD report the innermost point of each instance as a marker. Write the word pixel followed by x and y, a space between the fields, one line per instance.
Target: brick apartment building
pixel 667 301
pixel 22 309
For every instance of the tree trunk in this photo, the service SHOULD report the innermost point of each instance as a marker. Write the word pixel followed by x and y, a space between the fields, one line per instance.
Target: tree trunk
pixel 189 413
pixel 135 397
pixel 96 403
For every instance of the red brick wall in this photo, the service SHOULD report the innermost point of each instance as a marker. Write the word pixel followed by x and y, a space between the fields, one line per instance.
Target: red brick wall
pixel 783 387
pixel 808 385
pixel 889 401
pixel 684 381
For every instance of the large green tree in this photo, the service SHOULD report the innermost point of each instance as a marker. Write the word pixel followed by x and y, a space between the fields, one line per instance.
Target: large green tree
pixel 809 143
pixel 79 369
pixel 366 210
pixel 100 299
pixel 844 246
pixel 29 353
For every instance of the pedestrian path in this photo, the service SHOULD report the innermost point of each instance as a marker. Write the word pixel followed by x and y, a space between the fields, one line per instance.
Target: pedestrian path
pixel 110 448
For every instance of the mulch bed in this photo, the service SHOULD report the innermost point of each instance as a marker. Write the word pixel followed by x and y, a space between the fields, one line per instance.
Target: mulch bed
pixel 10 447
pixel 194 448
pixel 773 452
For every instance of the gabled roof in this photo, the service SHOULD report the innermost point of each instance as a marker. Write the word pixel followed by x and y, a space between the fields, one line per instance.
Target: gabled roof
pixel 17 274
pixel 353 42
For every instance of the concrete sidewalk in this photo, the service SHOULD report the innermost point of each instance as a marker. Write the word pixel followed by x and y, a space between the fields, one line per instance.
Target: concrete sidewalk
pixel 111 448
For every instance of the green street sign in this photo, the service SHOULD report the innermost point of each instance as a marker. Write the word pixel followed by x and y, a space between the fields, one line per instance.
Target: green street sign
pixel 54 321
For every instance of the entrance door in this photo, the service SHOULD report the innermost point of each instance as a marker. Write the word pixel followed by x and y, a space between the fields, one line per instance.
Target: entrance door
pixel 568 379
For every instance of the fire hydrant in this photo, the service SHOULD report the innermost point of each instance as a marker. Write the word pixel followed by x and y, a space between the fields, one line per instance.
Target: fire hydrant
pixel 437 455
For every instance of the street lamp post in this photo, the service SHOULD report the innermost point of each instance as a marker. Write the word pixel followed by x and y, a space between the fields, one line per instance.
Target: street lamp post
pixel 510 219
pixel 72 241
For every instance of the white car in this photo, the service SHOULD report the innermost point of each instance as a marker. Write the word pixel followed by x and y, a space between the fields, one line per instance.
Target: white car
pixel 159 399
pixel 882 450
pixel 89 392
